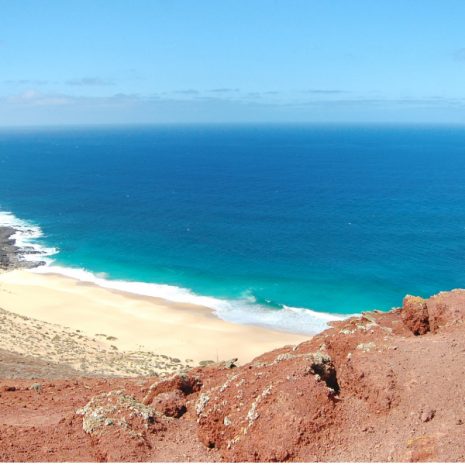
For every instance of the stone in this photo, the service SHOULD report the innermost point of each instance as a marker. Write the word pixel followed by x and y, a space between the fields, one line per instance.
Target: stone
pixel 36 387
pixel 427 415
pixel 115 408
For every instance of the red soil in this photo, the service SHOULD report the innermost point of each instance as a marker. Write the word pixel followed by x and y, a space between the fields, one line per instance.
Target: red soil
pixel 382 387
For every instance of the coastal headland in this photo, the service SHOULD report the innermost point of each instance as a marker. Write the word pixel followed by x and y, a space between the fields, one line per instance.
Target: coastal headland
pixel 380 387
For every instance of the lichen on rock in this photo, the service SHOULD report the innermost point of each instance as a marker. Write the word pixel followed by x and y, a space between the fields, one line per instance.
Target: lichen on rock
pixel 201 403
pixel 115 409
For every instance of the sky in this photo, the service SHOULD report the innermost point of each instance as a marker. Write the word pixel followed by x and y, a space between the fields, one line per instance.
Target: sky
pixel 231 61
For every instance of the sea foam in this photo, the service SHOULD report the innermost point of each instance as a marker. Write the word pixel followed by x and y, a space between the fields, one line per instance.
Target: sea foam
pixel 242 311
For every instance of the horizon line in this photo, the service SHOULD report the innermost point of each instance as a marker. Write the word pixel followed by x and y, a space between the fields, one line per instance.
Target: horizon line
pixel 234 123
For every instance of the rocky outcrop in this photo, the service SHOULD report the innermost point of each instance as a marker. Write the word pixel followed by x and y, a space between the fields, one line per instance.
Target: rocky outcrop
pixel 240 415
pixel 11 255
pixel 378 387
pixel 179 382
pixel 415 315
pixel 169 396
pixel 115 409
pixel 366 389
pixel 444 309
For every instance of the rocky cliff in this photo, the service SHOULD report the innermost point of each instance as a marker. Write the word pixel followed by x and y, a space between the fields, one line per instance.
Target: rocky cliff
pixel 380 387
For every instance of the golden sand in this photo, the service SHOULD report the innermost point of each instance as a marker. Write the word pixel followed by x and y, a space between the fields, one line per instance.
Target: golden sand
pixel 131 323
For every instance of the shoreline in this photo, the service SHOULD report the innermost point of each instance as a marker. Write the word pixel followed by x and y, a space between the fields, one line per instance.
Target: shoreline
pixel 137 323
pixel 19 249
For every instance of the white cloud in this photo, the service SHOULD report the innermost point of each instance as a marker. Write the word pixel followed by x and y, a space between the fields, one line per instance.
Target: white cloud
pixel 35 98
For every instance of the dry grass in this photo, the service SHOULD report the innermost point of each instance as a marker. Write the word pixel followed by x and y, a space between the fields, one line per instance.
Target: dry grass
pixel 99 355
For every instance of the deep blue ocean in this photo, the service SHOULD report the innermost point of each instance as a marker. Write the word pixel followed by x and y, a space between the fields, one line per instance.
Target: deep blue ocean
pixel 267 220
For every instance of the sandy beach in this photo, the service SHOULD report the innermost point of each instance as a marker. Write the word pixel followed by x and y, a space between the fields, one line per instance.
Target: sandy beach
pixel 113 320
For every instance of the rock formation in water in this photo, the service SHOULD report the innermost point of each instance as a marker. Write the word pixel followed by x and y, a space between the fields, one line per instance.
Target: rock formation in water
pixel 12 256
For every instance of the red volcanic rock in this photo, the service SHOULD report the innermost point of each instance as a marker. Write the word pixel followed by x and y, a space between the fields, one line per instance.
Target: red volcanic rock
pixel 170 404
pixel 366 389
pixel 115 409
pixel 447 309
pixel 183 383
pixel 9 388
pixel 287 399
pixel 443 309
pixel 415 315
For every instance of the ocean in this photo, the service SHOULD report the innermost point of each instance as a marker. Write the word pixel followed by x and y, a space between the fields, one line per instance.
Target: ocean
pixel 284 226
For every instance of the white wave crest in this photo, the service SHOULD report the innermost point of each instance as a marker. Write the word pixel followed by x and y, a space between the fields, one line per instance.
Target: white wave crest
pixel 290 319
pixel 241 311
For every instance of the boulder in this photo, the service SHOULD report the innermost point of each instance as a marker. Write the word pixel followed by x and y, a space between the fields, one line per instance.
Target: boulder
pixel 115 409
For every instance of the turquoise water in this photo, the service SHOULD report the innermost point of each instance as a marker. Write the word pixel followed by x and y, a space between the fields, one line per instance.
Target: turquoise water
pixel 267 220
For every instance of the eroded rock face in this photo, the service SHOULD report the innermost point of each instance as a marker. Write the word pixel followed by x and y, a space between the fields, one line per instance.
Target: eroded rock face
pixel 287 398
pixel 298 403
pixel 170 404
pixel 183 383
pixel 446 309
pixel 415 315
pixel 441 310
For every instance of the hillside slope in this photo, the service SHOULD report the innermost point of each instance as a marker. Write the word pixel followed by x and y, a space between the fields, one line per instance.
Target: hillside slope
pixel 380 387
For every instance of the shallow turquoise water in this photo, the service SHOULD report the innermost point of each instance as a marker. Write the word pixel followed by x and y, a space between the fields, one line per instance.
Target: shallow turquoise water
pixel 334 219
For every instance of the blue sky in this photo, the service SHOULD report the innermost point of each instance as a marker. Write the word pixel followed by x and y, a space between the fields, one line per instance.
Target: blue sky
pixel 170 61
